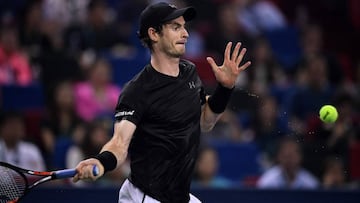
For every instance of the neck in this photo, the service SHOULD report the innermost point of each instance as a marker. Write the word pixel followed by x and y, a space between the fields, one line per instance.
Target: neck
pixel 165 64
pixel 98 87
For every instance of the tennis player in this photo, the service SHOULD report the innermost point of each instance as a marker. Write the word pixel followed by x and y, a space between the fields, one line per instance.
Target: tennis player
pixel 162 110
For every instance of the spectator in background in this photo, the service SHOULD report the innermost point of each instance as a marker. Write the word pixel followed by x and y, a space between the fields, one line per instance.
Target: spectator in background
pixel 312 45
pixel 268 126
pixel 41 37
pixel 62 126
pixel 227 29
pixel 206 171
pixel 128 16
pixel 14 65
pixel 97 96
pixel 259 16
pixel 333 139
pixel 31 30
pixel 313 90
pixel 67 12
pixel 288 172
pixel 97 134
pixel 13 148
pixel 334 175
pixel 267 71
pixel 227 128
pixel 55 63
pixel 98 33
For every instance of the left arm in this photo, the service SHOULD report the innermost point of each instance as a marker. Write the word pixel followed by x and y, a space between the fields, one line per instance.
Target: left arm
pixel 208 118
pixel 225 75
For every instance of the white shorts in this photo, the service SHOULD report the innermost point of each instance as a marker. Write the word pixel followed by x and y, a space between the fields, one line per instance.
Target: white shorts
pixel 131 194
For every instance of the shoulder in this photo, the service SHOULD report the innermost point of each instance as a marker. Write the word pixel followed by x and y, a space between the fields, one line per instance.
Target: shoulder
pixel 187 64
pixel 270 177
pixel 272 172
pixel 308 177
pixel 188 68
pixel 132 86
pixel 29 148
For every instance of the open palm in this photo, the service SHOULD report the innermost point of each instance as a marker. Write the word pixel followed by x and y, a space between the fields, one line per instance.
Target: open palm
pixel 227 73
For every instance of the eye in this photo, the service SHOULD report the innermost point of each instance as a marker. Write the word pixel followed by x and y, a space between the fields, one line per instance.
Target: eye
pixel 176 27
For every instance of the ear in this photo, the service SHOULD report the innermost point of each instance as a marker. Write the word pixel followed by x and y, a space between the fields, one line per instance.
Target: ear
pixel 153 35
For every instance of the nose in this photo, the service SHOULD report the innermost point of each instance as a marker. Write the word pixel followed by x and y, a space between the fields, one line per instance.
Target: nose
pixel 185 33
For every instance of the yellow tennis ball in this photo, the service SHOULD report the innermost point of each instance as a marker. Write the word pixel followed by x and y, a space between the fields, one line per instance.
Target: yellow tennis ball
pixel 328 114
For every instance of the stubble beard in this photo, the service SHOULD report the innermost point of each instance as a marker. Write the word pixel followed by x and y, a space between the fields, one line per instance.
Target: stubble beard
pixel 173 52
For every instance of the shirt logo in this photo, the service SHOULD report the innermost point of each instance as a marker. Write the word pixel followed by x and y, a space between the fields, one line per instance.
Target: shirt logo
pixel 124 113
pixel 192 85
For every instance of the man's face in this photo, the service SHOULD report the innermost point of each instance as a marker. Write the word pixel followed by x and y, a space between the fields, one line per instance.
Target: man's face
pixel 12 131
pixel 173 38
pixel 290 156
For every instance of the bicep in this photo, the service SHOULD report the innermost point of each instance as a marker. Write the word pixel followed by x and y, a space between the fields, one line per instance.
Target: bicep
pixel 123 131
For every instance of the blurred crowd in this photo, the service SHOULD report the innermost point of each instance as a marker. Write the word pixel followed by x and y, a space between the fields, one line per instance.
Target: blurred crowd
pixel 304 54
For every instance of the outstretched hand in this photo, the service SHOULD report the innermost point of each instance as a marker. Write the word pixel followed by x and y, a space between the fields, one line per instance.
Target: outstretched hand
pixel 227 73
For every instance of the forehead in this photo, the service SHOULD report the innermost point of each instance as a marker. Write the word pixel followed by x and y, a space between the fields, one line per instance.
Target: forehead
pixel 180 20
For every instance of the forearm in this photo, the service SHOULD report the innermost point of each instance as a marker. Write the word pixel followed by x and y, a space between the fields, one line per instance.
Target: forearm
pixel 118 148
pixel 208 119
pixel 214 107
pixel 114 152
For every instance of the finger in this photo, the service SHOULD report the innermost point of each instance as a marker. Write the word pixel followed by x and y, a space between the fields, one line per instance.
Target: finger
pixel 227 51
pixel 76 178
pixel 80 171
pixel 85 173
pixel 212 63
pixel 245 66
pixel 235 53
pixel 89 172
pixel 241 56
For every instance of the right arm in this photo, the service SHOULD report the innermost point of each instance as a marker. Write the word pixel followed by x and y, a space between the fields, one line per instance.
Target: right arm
pixel 118 145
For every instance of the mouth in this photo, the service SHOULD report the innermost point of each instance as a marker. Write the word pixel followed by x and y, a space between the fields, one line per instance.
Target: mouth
pixel 181 42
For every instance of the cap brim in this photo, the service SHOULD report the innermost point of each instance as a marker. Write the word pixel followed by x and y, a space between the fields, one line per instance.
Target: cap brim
pixel 188 13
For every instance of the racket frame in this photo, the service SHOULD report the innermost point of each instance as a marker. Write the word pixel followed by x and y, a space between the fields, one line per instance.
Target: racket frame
pixel 47 176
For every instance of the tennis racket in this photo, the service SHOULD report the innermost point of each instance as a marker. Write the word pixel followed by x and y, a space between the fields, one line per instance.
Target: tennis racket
pixel 15 181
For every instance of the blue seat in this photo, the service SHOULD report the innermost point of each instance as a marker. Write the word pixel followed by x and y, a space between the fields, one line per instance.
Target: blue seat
pixel 62 146
pixel 237 160
pixel 21 98
pixel 125 68
pixel 285 44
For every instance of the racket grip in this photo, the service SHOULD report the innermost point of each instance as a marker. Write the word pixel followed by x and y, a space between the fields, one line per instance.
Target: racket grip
pixel 96 170
pixel 66 173
pixel 69 173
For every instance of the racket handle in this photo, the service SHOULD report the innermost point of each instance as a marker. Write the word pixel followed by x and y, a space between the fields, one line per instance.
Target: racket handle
pixel 69 173
pixel 96 170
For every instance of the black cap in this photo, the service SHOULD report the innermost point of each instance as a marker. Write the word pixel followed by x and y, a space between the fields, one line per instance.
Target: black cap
pixel 160 13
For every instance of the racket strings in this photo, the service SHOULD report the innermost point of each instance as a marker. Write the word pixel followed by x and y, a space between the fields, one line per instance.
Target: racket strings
pixel 12 185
